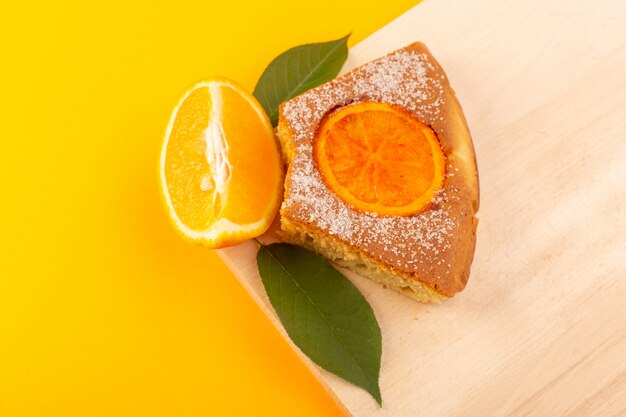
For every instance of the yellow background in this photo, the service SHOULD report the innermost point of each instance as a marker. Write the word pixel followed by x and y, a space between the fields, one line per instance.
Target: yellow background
pixel 104 311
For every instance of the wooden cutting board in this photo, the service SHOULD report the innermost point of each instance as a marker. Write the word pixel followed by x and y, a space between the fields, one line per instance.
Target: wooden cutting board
pixel 541 327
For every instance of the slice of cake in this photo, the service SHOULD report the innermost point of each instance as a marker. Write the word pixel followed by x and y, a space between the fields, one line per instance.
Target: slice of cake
pixel 382 176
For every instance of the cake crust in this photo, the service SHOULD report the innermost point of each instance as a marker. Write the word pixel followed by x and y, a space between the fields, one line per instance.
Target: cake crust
pixel 427 255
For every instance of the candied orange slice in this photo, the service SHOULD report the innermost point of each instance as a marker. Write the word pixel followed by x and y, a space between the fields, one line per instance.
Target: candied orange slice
pixel 221 172
pixel 379 158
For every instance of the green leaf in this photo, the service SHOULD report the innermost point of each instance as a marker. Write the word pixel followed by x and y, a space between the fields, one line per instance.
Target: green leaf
pixel 298 70
pixel 324 314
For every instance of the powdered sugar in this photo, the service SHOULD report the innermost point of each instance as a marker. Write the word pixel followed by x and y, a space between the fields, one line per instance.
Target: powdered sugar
pixel 407 79
pixel 404 78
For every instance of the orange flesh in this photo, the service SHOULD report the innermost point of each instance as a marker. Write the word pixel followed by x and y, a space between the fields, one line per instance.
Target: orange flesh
pixel 222 163
pixel 187 164
pixel 256 163
pixel 379 158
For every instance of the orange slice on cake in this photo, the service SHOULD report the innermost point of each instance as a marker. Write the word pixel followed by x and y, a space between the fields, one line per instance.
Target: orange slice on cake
pixel 379 158
pixel 221 172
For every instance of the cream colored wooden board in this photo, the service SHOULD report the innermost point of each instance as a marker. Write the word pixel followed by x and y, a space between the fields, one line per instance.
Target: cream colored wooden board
pixel 541 328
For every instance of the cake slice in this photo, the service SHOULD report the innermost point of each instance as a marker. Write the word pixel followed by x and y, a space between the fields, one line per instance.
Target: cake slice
pixel 422 249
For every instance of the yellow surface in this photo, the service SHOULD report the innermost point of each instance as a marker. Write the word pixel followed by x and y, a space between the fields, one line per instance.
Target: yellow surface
pixel 104 311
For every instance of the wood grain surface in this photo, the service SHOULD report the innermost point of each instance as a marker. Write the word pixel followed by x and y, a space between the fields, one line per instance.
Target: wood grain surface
pixel 541 328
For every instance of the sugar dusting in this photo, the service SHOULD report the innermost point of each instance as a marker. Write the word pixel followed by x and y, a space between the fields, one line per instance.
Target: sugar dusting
pixel 407 79
pixel 404 78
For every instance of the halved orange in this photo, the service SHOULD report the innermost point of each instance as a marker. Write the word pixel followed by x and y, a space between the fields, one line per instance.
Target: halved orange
pixel 379 158
pixel 221 172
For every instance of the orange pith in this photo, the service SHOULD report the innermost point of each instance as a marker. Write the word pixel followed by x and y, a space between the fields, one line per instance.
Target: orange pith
pixel 221 172
pixel 379 158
